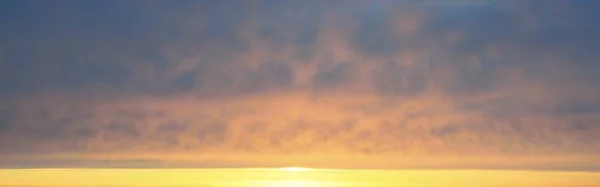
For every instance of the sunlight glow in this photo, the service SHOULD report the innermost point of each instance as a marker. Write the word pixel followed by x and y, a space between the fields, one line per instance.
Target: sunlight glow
pixel 280 178
pixel 291 183
pixel 294 169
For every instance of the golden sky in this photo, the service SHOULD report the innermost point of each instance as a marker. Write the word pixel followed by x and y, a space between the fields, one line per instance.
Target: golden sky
pixel 359 84
pixel 284 178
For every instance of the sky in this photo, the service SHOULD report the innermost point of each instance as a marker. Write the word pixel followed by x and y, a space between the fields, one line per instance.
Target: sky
pixel 277 178
pixel 490 84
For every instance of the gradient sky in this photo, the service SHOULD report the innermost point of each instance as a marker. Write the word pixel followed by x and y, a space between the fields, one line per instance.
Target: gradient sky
pixel 494 84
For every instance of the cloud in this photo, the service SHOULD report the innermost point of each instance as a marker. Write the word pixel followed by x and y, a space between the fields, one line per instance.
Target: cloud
pixel 300 81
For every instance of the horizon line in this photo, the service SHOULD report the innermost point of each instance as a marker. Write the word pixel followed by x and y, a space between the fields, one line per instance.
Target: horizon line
pixel 304 169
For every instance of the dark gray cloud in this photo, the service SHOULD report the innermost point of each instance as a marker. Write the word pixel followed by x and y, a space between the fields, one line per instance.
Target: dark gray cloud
pixel 334 75
pixel 214 132
pixel 171 127
pixel 394 80
pixel 125 51
pixel 270 75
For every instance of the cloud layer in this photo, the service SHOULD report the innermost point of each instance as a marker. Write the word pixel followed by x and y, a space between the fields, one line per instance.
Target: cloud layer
pixel 367 84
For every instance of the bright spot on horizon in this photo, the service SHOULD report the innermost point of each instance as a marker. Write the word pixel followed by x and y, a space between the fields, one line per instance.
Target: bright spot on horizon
pixel 290 183
pixel 295 169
